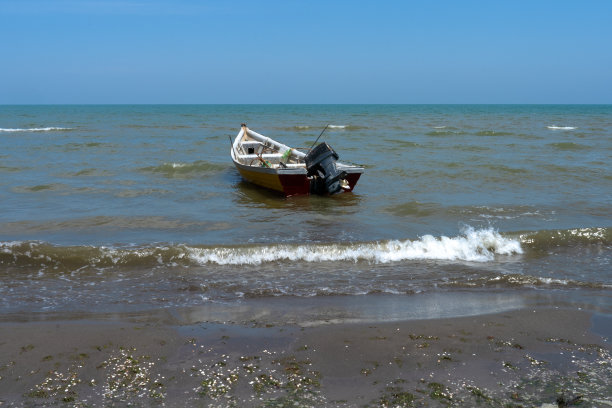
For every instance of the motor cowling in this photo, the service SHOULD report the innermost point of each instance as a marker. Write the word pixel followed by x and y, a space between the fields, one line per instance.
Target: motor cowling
pixel 321 166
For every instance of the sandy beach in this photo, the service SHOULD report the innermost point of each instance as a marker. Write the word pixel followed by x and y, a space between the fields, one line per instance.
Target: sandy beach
pixel 530 357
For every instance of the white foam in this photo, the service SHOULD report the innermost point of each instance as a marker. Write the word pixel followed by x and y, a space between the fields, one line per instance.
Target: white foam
pixel 552 281
pixel 561 127
pixel 10 244
pixel 337 126
pixel 439 127
pixel 589 232
pixel 45 129
pixel 473 245
pixel 7 246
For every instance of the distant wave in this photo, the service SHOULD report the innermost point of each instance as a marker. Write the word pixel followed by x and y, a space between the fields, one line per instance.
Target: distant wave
pixel 347 127
pixel 45 129
pixel 569 146
pixel 493 133
pixel 295 128
pixel 561 127
pixel 185 169
pixel 444 132
pixel 302 128
pixel 168 127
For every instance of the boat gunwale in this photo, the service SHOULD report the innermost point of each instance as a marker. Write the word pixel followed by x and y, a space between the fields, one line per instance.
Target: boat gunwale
pixel 349 168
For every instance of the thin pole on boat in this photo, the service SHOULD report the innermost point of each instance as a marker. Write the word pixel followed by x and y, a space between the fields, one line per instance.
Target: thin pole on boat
pixel 315 142
pixel 232 146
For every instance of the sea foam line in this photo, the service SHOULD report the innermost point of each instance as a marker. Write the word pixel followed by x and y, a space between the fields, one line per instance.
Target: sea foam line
pixel 473 246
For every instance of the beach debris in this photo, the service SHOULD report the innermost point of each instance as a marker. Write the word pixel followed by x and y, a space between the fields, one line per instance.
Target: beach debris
pixel 277 379
pixel 129 376
pixel 396 397
pixel 58 386
pixel 439 391
pixel 563 401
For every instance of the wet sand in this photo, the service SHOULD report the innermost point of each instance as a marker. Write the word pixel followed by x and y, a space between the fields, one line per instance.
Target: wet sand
pixel 529 357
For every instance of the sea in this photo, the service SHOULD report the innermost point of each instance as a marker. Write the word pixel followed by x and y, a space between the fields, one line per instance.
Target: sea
pixel 461 210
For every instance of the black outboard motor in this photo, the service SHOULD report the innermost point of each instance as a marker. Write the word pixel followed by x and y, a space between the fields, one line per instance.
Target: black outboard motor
pixel 321 166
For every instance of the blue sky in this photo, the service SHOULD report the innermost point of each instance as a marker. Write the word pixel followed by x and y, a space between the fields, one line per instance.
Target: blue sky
pixel 293 51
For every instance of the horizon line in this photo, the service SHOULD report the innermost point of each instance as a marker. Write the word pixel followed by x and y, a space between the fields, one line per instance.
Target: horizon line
pixel 302 103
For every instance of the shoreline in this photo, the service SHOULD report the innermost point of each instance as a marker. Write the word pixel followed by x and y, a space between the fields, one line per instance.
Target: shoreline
pixel 312 311
pixel 527 356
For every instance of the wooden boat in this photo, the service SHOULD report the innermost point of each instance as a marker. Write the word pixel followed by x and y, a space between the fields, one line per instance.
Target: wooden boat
pixel 275 166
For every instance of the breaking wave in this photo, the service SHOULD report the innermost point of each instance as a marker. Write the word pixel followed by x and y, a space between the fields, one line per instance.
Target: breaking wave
pixel 347 127
pixel 473 245
pixel 552 127
pixel 44 129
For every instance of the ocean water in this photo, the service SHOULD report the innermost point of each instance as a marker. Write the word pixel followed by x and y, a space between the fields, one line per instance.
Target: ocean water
pixel 121 208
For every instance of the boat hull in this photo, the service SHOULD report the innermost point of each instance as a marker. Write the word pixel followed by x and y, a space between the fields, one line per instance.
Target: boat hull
pixel 288 182
pixel 277 167
pixel 285 183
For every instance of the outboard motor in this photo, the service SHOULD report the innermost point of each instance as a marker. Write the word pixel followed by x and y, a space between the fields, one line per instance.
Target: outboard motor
pixel 321 166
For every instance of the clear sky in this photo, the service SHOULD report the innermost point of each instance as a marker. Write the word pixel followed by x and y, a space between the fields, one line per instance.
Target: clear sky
pixel 305 51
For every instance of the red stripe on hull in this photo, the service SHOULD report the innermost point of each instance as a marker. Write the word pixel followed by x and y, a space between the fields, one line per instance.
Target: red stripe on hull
pixel 294 184
pixel 352 178
pixel 298 184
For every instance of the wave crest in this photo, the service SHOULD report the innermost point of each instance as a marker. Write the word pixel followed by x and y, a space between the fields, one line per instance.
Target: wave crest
pixel 552 127
pixel 474 246
pixel 42 129
pixel 567 238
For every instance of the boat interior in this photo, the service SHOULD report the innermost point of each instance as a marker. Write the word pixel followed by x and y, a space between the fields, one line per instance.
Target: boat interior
pixel 252 152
